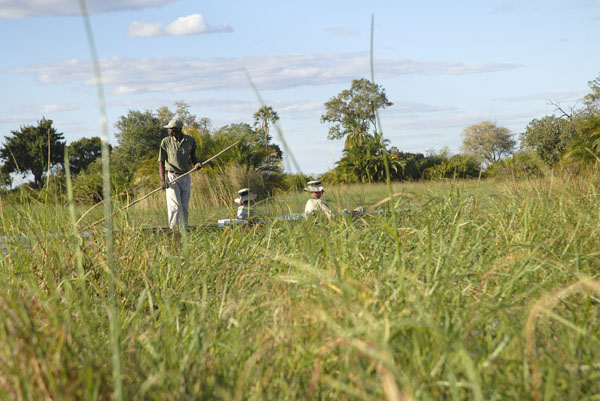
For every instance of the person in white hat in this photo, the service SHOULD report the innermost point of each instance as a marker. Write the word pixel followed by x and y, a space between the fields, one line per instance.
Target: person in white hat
pixel 315 204
pixel 177 156
pixel 245 210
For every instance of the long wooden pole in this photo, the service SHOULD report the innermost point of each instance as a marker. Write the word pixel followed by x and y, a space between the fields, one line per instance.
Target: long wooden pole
pixel 170 182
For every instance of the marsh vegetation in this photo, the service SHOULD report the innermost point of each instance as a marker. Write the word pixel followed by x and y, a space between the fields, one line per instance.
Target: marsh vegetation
pixel 455 295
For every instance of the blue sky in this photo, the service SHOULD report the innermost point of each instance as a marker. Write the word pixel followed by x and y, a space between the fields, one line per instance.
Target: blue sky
pixel 444 65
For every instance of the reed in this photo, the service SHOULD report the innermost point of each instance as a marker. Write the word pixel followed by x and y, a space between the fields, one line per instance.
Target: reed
pixel 449 305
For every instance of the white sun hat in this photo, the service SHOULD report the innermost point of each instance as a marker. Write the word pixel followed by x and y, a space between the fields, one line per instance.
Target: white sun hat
pixel 244 195
pixel 314 186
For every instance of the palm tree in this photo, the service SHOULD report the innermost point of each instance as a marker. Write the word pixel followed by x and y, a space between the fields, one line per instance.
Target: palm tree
pixel 262 118
pixel 365 161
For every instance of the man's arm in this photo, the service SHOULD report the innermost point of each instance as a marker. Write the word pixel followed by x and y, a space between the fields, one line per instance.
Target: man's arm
pixel 194 158
pixel 161 173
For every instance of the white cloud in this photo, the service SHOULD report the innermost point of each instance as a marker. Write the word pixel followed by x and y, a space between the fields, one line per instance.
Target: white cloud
pixel 194 24
pixel 271 72
pixel 31 8
pixel 138 29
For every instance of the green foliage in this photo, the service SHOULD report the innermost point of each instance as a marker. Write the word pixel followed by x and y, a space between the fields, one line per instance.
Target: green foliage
pixel 253 149
pixel 430 305
pixel 592 99
pixel 365 161
pixel 583 152
pixel 297 182
pixel 191 121
pixel 488 141
pixel 410 162
pixel 443 166
pixel 568 141
pixel 26 151
pixel 5 178
pixel 521 165
pixel 164 115
pixel 548 137
pixel 139 135
pixel 83 152
pixel 88 184
pixel 353 111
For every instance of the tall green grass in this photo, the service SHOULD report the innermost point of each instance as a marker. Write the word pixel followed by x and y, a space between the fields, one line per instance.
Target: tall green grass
pixel 479 289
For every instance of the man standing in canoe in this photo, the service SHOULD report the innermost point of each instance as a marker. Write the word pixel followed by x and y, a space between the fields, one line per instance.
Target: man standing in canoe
pixel 177 156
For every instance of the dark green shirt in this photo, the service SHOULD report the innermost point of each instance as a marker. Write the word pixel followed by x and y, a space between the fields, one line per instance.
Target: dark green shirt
pixel 179 156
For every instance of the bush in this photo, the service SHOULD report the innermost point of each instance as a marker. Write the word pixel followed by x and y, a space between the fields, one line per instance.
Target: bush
pixel 522 165
pixel 456 166
pixel 88 185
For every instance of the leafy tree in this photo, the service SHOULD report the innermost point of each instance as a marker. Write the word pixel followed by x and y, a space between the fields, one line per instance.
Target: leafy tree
pixel 353 111
pixel 164 115
pixel 251 153
pixel 253 150
pixel 548 137
pixel 31 149
pixel 139 135
pixel 83 152
pixel 192 125
pixel 488 141
pixel 262 118
pixel 5 178
pixel 183 113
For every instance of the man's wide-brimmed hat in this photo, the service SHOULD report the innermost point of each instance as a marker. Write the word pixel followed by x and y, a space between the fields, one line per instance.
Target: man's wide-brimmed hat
pixel 314 186
pixel 174 124
pixel 244 195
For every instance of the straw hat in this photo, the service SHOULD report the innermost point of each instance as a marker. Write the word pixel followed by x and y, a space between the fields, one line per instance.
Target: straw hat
pixel 314 186
pixel 244 195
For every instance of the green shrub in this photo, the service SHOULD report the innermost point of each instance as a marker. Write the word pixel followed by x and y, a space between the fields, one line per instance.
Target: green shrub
pixel 522 165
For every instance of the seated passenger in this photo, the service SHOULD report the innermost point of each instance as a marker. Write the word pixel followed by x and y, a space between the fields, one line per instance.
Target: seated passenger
pixel 315 204
pixel 245 211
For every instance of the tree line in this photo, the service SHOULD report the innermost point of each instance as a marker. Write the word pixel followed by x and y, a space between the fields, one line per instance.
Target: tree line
pixel 567 140
pixel 40 151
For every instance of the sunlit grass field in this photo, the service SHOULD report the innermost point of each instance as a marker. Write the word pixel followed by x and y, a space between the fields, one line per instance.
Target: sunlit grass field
pixel 467 291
